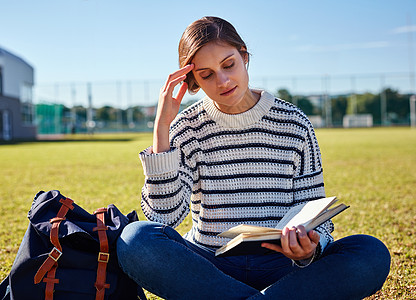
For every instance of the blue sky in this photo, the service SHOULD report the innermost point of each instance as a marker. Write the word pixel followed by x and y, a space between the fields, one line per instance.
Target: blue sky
pixel 102 40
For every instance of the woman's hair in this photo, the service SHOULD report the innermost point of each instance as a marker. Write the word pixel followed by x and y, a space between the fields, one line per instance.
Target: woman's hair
pixel 200 33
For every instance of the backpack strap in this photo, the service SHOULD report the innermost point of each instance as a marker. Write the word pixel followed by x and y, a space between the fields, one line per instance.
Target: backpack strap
pixel 51 263
pixel 50 282
pixel 103 255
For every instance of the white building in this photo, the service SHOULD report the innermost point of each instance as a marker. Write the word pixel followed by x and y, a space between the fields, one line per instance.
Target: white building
pixel 16 106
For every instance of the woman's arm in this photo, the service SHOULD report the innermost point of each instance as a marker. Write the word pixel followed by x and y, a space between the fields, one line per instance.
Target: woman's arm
pixel 168 108
pixel 308 184
pixel 167 189
pixel 168 185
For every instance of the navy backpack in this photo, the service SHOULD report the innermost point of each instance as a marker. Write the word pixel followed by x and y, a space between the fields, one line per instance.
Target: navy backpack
pixel 68 253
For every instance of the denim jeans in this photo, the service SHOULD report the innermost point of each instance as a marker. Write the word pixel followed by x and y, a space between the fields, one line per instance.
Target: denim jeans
pixel 160 260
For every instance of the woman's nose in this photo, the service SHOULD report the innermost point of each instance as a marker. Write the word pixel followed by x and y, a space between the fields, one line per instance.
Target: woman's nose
pixel 222 79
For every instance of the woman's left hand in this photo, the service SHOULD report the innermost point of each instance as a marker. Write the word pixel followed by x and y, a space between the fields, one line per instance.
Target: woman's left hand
pixel 296 243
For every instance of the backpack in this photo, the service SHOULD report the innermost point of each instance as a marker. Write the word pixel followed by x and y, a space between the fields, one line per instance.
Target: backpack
pixel 68 253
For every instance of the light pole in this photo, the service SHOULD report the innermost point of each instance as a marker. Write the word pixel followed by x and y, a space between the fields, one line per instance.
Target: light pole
pixel 412 98
pixel 413 111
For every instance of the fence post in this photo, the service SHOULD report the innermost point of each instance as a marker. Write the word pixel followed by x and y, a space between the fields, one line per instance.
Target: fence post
pixel 327 101
pixel 90 122
pixel 73 111
pixel 413 111
pixel 383 103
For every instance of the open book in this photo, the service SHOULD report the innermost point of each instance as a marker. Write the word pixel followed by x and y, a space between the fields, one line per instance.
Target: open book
pixel 247 239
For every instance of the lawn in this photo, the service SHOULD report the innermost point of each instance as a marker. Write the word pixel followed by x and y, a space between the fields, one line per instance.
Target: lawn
pixel 372 170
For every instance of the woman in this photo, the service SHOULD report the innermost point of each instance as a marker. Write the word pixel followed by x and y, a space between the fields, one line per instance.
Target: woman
pixel 237 156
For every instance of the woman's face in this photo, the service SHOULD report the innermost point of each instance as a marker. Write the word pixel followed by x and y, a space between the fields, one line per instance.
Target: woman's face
pixel 221 73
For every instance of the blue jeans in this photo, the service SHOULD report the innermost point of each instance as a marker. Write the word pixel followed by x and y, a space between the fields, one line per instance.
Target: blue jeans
pixel 160 260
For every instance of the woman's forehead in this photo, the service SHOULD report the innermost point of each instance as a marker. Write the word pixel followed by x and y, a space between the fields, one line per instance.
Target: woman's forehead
pixel 213 53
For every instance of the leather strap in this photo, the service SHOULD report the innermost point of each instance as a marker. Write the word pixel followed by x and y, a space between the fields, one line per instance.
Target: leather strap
pixel 50 283
pixel 66 206
pixel 48 264
pixel 103 255
pixel 51 263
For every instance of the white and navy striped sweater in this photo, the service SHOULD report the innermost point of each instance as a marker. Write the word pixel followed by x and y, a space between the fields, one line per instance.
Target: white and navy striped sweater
pixel 231 169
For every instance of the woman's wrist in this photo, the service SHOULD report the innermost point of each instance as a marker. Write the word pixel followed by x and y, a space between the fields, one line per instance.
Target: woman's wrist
pixel 306 262
pixel 161 138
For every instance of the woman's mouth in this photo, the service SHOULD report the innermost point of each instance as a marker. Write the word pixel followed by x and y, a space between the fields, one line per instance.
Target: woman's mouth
pixel 228 92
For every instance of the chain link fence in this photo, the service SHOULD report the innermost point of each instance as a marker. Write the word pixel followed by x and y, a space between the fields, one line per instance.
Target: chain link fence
pixel 108 106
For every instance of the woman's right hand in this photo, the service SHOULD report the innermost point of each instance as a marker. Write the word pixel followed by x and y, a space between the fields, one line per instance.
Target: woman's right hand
pixel 168 108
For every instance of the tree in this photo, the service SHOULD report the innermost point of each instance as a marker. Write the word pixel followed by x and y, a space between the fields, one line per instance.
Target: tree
pixel 300 101
pixel 81 113
pixel 138 114
pixel 284 95
pixel 339 109
pixel 305 105
pixel 104 113
pixel 398 107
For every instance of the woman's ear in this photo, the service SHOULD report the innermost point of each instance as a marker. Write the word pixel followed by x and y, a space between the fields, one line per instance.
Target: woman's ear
pixel 244 55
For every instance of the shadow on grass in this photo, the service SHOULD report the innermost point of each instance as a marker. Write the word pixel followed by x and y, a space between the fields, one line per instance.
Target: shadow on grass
pixel 72 138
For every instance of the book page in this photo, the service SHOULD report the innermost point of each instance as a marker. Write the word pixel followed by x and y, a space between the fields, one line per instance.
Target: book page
pixel 328 214
pixel 289 215
pixel 235 231
pixel 303 214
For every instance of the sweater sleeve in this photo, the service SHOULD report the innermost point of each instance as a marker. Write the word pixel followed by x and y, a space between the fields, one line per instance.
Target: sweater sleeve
pixel 166 191
pixel 309 182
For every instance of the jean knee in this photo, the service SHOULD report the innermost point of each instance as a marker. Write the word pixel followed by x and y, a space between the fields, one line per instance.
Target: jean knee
pixel 376 254
pixel 133 239
pixel 375 248
pixel 384 255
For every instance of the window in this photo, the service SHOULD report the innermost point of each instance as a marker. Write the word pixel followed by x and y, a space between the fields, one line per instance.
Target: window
pixel 1 82
pixel 27 104
pixel 5 125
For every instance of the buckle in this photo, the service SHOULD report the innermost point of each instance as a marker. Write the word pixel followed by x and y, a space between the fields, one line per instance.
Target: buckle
pixel 55 251
pixel 103 257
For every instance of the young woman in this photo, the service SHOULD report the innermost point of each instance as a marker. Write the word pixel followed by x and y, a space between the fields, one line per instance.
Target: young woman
pixel 237 156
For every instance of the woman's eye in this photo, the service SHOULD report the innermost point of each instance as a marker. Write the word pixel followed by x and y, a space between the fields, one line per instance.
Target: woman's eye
pixel 206 76
pixel 229 66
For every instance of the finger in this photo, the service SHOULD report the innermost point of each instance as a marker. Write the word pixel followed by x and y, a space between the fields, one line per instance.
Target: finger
pixel 285 240
pixel 273 247
pixel 293 241
pixel 304 239
pixel 314 236
pixel 183 71
pixel 181 92
pixel 173 83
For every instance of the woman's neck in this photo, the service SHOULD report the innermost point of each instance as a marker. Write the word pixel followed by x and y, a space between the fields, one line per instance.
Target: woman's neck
pixel 250 99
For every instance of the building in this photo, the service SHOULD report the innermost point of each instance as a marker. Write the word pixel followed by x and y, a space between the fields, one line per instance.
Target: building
pixel 17 114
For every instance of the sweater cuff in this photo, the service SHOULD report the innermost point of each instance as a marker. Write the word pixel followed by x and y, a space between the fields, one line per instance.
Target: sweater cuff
pixel 323 240
pixel 159 163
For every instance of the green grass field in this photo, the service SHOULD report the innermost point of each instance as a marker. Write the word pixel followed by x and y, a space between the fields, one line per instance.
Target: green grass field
pixel 372 170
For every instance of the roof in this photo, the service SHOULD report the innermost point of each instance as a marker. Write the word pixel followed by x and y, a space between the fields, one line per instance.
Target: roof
pixel 4 52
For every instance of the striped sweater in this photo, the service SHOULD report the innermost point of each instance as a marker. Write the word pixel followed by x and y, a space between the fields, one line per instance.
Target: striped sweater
pixel 232 169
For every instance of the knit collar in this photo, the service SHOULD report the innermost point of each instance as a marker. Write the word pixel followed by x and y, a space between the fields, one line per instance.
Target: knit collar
pixel 244 119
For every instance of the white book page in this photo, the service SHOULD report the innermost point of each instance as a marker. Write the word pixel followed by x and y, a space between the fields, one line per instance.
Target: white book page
pixel 235 231
pixel 303 214
pixel 289 215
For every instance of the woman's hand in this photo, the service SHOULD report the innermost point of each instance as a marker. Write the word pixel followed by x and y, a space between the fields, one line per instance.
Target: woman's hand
pixel 168 108
pixel 296 243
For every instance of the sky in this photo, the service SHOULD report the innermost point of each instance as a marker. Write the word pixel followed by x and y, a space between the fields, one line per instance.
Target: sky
pixel 357 44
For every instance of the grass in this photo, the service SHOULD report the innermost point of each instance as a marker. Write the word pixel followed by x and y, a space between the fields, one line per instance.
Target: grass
pixel 373 170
